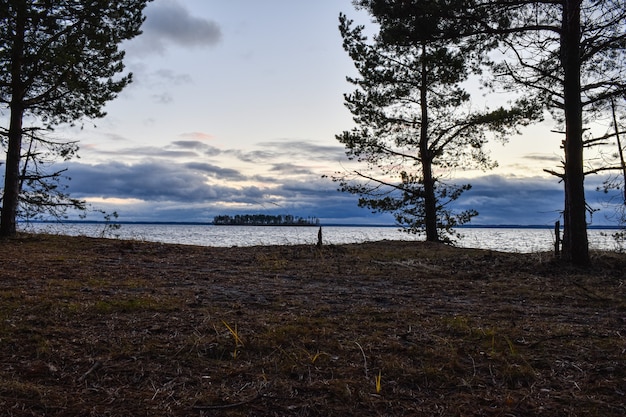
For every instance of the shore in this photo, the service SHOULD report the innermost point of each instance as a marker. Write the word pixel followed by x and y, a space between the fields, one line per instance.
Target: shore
pixel 127 328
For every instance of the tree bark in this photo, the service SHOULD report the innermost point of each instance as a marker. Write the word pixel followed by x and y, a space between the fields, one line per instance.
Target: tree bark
pixel 10 199
pixel 620 150
pixel 576 246
pixel 430 201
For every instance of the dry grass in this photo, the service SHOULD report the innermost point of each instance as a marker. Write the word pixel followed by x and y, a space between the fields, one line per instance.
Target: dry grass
pixel 123 328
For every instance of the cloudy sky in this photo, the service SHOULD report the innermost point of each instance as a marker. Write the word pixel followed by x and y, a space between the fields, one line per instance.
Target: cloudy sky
pixel 234 109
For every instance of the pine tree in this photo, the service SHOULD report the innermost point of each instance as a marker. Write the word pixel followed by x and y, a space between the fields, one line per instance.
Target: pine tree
pixel 415 120
pixel 569 55
pixel 59 62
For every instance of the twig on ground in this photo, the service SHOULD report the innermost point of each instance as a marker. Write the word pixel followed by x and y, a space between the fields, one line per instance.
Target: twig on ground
pixel 364 359
pixel 226 406
pixel 93 368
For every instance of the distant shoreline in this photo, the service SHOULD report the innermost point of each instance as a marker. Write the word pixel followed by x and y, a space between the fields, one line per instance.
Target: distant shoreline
pixel 472 226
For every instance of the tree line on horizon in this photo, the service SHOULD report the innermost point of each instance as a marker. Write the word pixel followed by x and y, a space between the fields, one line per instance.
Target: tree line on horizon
pixel 61 62
pixel 265 220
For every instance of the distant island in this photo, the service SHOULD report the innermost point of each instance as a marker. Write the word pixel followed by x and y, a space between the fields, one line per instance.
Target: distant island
pixel 265 220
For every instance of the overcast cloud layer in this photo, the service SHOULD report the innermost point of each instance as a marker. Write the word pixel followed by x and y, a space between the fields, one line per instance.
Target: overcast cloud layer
pixel 165 187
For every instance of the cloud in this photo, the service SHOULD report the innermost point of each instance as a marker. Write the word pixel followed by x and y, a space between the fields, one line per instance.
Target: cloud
pixel 276 157
pixel 169 22
pixel 154 181
pixel 290 169
pixel 216 172
pixel 198 191
pixel 503 200
pixel 178 182
pixel 140 153
pixel 528 201
pixel 189 144
pixel 537 157
pixel 197 136
pixel 290 150
pixel 163 98
pixel 187 183
pixel 198 146
pixel 306 149
pixel 172 78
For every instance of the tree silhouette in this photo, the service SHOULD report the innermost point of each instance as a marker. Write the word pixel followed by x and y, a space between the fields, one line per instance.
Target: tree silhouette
pixel 571 56
pixel 59 62
pixel 415 121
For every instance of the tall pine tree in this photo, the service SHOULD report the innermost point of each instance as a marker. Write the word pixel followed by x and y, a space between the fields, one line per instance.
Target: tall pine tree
pixel 59 62
pixel 415 120
pixel 571 56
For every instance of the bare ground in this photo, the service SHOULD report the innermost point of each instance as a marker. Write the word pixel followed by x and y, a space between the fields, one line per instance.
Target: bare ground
pixel 126 328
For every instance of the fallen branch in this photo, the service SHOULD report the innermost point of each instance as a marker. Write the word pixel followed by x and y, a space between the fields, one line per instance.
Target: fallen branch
pixel 93 368
pixel 226 406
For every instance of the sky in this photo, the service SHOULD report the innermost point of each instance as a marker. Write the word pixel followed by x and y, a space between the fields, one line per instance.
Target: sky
pixel 234 109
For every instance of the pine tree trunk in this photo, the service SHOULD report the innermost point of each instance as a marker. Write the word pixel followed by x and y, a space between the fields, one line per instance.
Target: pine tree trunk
pixel 430 203
pixel 576 247
pixel 430 200
pixel 10 199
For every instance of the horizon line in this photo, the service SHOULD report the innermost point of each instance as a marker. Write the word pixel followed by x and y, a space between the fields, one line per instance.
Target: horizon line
pixel 187 223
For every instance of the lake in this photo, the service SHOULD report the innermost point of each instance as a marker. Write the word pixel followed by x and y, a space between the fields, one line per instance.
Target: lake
pixel 527 240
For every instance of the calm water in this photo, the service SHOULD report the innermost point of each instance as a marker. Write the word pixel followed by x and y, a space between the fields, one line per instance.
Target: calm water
pixel 509 239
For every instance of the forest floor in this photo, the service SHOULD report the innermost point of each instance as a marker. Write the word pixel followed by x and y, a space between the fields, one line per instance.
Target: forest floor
pixel 107 327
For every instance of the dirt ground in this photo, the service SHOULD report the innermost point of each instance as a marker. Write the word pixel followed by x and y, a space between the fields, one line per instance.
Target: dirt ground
pixel 96 327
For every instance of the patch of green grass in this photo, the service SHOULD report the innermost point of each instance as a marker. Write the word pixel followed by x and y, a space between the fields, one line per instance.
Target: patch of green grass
pixel 16 389
pixel 271 262
pixel 458 325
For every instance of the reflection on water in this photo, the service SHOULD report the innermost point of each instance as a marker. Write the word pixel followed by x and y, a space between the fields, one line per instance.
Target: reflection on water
pixel 502 239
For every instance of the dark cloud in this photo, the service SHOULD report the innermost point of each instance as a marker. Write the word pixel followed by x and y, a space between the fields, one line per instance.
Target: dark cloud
pixel 169 21
pixel 291 149
pixel 149 181
pixel 290 169
pixel 525 201
pixel 501 200
pixel 159 184
pixel 216 172
pixel 183 190
pixel 188 144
